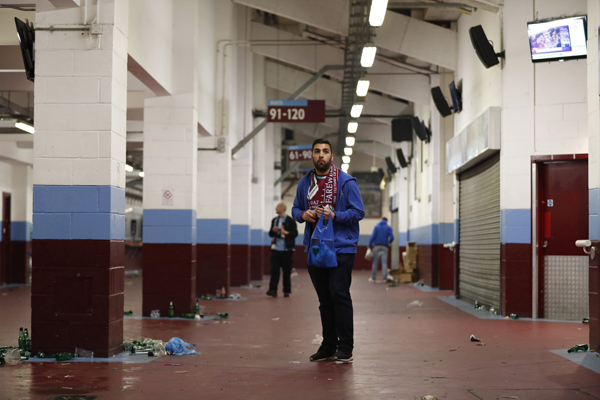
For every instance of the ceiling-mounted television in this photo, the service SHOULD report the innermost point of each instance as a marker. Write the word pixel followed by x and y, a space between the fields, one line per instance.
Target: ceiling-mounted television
pixel 26 35
pixel 558 39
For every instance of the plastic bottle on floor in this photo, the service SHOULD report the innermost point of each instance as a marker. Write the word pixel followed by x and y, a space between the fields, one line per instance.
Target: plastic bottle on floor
pixel 578 347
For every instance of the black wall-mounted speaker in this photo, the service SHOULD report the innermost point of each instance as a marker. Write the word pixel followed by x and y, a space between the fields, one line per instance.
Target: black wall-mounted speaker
pixel 440 101
pixel 401 158
pixel 483 47
pixel 419 128
pixel 391 167
pixel 402 130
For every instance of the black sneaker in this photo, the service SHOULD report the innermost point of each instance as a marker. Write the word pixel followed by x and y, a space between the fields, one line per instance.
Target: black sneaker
pixel 344 356
pixel 272 293
pixel 286 295
pixel 324 353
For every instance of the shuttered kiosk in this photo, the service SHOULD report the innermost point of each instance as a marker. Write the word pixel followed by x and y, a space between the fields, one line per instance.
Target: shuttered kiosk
pixel 479 233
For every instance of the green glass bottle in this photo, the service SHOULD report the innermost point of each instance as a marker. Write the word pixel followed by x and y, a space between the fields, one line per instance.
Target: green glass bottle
pixel 197 308
pixel 578 347
pixel 171 312
pixel 64 356
pixel 21 339
pixel 27 341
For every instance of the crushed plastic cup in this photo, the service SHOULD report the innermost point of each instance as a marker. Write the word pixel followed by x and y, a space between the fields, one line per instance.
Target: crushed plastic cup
pixel 12 357
pixel 473 338
pixel 79 352
pixel 155 314
pixel 415 303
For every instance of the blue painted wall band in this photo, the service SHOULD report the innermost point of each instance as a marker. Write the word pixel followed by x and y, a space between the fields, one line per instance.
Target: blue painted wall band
pixel 515 226
pixel 169 226
pixel 20 231
pixel 594 214
pixel 212 231
pixel 256 236
pixel 78 212
pixel 240 234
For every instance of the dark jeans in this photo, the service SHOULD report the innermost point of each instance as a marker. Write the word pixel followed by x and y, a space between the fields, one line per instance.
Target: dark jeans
pixel 283 260
pixel 335 304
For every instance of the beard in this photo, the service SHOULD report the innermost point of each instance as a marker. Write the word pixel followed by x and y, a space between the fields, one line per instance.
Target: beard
pixel 323 168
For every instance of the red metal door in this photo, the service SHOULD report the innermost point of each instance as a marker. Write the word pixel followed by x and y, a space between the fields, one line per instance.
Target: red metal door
pixel 562 213
pixel 5 244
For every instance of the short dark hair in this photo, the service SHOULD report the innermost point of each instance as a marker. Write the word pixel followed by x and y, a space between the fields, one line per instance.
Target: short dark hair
pixel 324 141
pixel 384 218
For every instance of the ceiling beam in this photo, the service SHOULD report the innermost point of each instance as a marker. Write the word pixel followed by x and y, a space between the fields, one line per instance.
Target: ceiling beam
pixel 401 34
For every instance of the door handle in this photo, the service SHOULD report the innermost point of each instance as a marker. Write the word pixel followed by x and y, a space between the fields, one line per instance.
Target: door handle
pixel 545 244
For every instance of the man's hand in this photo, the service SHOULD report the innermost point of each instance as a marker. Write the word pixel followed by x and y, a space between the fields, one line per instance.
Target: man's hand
pixel 284 232
pixel 275 229
pixel 327 213
pixel 309 216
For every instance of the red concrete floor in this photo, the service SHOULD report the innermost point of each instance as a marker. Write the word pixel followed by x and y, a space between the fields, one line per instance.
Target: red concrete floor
pixel 401 353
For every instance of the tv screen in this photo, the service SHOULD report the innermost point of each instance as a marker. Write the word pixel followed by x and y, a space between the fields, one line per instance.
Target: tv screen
pixel 456 98
pixel 559 39
pixel 26 35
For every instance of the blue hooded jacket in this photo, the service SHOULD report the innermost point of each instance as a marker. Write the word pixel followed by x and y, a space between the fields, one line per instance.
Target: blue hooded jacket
pixel 349 210
pixel 382 235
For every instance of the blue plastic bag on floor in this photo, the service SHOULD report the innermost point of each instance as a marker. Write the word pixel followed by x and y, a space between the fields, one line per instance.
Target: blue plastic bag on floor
pixel 178 347
pixel 322 249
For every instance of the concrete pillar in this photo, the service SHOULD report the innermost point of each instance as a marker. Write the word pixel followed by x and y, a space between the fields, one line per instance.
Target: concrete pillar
pixel 79 180
pixel 169 231
pixel 593 11
pixel 241 175
pixel 271 196
pixel 258 215
pixel 20 230
pixel 214 215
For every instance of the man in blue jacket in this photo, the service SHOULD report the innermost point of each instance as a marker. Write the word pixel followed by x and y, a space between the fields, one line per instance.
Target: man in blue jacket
pixel 380 241
pixel 329 191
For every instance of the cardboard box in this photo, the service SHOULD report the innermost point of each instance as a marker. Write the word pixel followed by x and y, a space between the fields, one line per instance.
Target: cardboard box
pixel 411 251
pixel 410 266
pixel 406 277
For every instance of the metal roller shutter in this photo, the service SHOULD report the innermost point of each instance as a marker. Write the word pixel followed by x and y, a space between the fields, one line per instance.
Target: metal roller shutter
pixel 479 235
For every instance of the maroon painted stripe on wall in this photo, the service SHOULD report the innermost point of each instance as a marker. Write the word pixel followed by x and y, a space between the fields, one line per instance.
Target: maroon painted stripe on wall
pixel 515 279
pixel 212 270
pixel 256 263
pixel 77 296
pixel 169 276
pixel 240 264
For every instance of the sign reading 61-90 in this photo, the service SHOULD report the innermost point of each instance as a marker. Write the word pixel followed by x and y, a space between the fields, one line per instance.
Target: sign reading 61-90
pixel 296 111
pixel 299 152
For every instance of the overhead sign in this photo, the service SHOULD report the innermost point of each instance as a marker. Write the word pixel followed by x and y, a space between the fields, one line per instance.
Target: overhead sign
pixel 296 111
pixel 301 152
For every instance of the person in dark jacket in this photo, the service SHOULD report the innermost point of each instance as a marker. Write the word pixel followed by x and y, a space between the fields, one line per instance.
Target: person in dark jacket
pixel 329 191
pixel 380 242
pixel 283 231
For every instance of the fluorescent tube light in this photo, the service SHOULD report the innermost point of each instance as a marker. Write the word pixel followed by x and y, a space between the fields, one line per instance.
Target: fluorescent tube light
pixel 356 110
pixel 128 168
pixel 362 87
pixel 141 174
pixel 350 140
pixel 377 14
pixel 25 127
pixel 348 151
pixel 352 126
pixel 346 159
pixel 345 167
pixel 368 55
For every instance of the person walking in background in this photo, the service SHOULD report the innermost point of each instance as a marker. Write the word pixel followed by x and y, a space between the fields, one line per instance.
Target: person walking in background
pixel 330 192
pixel 380 241
pixel 283 231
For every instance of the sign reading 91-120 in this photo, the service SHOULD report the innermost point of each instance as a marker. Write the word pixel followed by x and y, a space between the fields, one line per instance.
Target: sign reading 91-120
pixel 312 111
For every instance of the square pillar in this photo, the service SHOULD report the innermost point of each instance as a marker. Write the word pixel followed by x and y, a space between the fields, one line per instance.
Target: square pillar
pixel 169 231
pixel 78 183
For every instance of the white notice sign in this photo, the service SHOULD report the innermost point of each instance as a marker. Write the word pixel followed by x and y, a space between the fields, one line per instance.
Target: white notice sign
pixel 167 197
